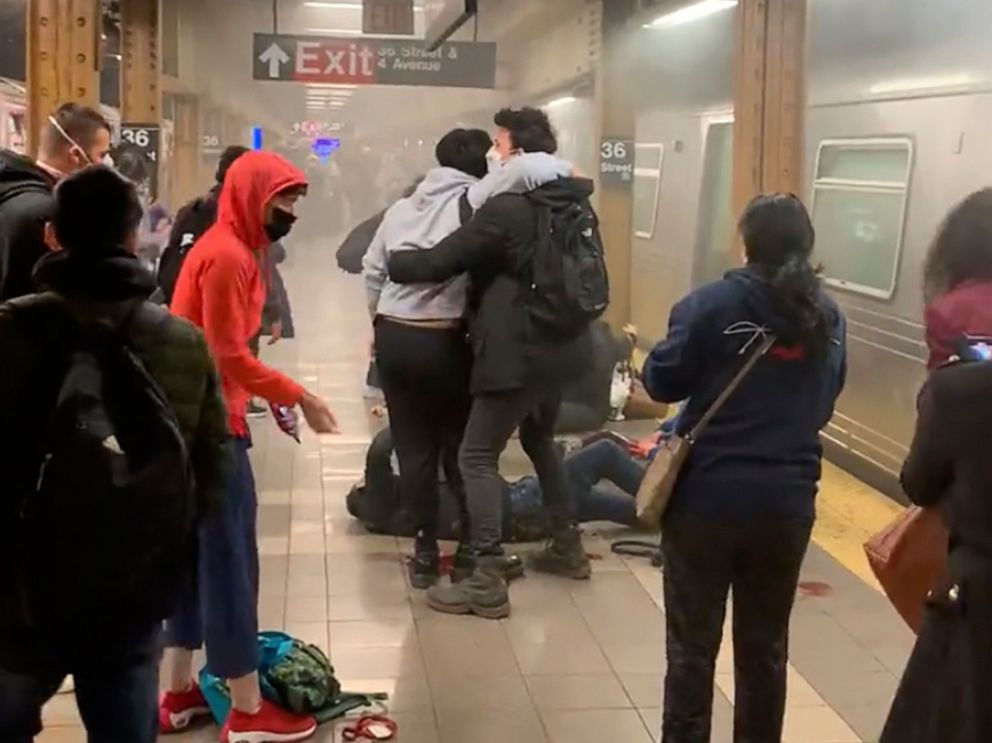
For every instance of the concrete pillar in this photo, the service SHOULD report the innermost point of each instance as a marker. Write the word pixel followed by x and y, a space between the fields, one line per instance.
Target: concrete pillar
pixel 615 106
pixel 62 58
pixel 770 98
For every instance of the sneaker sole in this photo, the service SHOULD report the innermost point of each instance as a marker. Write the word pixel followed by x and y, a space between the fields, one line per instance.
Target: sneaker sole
pixel 180 721
pixel 267 737
pixel 500 611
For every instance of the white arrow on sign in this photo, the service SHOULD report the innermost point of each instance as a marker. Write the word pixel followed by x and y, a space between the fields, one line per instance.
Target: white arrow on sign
pixel 274 56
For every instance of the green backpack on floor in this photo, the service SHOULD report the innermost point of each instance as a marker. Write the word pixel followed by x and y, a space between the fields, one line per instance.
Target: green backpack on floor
pixel 303 679
pixel 295 676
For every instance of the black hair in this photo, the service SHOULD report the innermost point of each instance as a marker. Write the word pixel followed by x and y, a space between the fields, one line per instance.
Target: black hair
pixel 962 248
pixel 464 150
pixel 80 123
pixel 130 161
pixel 778 241
pixel 95 190
pixel 227 158
pixel 530 129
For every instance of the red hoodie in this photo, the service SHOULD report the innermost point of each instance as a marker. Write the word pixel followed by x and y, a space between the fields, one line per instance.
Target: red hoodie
pixel 966 310
pixel 221 288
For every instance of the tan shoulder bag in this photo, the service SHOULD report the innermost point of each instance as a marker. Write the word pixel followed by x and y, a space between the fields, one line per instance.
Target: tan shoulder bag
pixel 663 472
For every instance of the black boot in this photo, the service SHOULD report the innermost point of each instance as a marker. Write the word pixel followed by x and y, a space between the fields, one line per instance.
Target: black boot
pixel 463 565
pixel 563 555
pixel 425 565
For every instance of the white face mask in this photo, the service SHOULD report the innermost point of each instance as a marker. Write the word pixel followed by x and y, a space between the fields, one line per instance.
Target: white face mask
pixel 494 160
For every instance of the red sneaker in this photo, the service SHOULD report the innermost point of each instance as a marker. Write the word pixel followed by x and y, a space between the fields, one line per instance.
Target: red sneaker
pixel 269 725
pixel 176 710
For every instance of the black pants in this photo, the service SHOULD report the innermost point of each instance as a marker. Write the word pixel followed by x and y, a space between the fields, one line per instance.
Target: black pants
pixel 494 418
pixel 425 376
pixel 703 560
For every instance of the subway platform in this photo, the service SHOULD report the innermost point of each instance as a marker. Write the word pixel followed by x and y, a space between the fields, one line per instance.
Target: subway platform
pixel 577 662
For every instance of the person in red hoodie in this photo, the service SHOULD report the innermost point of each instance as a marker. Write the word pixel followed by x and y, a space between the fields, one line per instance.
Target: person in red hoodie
pixel 957 279
pixel 221 288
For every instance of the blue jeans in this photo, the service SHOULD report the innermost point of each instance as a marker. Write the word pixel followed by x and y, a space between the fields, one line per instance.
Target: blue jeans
pixel 222 611
pixel 585 469
pixel 117 703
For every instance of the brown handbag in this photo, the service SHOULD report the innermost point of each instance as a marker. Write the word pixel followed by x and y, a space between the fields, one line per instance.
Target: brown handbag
pixel 908 557
pixel 661 475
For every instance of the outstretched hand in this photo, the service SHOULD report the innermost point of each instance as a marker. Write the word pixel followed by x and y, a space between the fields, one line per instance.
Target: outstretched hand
pixel 318 415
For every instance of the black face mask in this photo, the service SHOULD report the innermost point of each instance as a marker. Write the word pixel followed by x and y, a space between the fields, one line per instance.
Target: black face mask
pixel 279 224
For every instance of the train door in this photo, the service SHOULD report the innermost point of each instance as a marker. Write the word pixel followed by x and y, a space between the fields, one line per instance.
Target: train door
pixel 715 226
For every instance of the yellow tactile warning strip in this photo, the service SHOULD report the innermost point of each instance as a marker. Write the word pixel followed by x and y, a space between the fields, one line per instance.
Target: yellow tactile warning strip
pixel 848 513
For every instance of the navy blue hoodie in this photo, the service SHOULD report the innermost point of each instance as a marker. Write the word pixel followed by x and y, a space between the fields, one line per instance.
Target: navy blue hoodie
pixel 760 456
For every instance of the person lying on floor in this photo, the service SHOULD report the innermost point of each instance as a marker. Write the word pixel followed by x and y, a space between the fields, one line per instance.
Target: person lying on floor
pixel 605 456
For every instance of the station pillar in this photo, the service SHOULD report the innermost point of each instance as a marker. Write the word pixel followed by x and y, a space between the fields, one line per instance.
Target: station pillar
pixel 141 81
pixel 769 99
pixel 63 59
pixel 617 126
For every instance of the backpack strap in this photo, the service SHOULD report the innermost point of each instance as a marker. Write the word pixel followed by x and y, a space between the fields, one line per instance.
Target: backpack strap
pixel 465 211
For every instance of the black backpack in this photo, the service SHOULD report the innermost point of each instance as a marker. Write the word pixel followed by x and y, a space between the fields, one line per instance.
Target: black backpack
pixel 107 534
pixel 569 287
pixel 192 221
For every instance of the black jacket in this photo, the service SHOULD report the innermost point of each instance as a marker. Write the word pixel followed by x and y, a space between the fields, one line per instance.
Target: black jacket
pixel 356 244
pixel 192 221
pixel 496 248
pixel 585 404
pixel 944 694
pixel 25 206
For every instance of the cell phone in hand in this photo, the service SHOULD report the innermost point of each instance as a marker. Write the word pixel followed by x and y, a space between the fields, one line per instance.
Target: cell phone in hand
pixel 287 420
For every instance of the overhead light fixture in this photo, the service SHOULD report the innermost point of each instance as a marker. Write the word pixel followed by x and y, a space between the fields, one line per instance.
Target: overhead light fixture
pixel 690 13
pixel 336 31
pixel 921 84
pixel 346 6
pixel 563 100
pixel 335 86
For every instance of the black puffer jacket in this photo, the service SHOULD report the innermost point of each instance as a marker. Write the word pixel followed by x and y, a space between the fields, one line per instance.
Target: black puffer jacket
pixel 25 207
pixel 496 248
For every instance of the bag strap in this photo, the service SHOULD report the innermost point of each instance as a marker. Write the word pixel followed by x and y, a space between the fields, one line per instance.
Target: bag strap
pixel 734 383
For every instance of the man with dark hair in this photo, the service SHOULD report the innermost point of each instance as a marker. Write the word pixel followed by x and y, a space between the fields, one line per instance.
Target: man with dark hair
pixel 55 601
pixel 519 367
pixel 523 130
pixel 424 362
pixel 74 136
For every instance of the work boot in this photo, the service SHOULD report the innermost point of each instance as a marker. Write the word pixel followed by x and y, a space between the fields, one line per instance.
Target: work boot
pixel 483 593
pixel 463 565
pixel 563 555
pixel 424 568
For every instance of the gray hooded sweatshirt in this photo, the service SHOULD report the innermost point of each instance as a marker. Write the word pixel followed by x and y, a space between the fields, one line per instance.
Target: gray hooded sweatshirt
pixel 430 215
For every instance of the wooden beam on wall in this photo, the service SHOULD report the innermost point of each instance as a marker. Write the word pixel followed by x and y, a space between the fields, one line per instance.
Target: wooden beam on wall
pixel 141 88
pixel 63 59
pixel 769 98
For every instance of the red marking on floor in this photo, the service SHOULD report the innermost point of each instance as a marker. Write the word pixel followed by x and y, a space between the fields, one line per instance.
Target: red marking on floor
pixel 815 589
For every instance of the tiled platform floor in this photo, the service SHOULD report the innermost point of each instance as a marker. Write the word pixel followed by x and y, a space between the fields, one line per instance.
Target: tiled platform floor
pixel 575 663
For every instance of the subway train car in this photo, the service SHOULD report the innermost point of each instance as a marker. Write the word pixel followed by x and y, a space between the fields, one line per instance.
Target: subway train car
pixel 900 96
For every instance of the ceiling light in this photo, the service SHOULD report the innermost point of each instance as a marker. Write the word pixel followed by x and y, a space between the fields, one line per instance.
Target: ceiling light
pixel 920 84
pixel 345 6
pixel 336 86
pixel 336 31
pixel 691 13
pixel 563 100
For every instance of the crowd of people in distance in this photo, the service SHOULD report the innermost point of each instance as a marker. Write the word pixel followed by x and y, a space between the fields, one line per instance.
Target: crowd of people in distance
pixel 128 520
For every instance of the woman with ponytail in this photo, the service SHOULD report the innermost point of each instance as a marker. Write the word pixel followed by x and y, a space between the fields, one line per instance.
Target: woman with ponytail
pixel 743 507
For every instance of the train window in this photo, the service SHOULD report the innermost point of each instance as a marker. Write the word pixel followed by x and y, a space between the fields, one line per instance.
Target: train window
pixel 715 227
pixel 647 184
pixel 859 207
